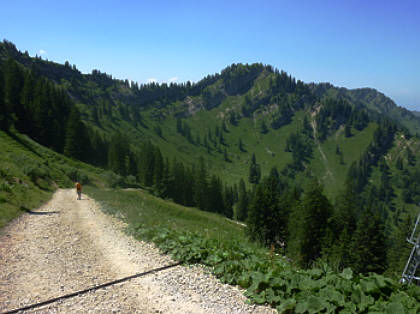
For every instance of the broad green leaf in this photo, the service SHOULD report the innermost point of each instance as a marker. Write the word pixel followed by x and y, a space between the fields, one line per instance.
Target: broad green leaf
pixel 395 308
pixel 312 304
pixel 347 273
pixel 286 306
pixel 332 295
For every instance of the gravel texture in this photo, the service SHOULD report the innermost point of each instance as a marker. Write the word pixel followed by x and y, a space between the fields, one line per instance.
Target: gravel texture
pixel 69 245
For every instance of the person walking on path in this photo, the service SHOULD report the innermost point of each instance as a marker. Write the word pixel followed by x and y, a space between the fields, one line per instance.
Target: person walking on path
pixel 79 190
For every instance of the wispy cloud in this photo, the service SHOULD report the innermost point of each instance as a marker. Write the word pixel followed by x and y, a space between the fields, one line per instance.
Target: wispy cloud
pixel 173 79
pixel 151 80
pixel 42 52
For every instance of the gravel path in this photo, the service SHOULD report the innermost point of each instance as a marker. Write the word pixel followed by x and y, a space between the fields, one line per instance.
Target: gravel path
pixel 70 245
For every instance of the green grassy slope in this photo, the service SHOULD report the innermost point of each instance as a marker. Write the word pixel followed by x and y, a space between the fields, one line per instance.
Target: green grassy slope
pixel 30 173
pixel 108 106
pixel 192 236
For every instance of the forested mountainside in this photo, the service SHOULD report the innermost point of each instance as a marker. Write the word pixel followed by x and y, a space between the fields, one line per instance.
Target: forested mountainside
pixel 325 171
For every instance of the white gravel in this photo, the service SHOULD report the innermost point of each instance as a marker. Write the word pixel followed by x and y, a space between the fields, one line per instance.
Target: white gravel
pixel 48 255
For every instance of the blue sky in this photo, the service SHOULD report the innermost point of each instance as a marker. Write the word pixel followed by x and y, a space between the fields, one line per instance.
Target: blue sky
pixel 348 43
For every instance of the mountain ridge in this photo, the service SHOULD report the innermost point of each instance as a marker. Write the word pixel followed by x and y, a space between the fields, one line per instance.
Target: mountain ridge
pixel 228 116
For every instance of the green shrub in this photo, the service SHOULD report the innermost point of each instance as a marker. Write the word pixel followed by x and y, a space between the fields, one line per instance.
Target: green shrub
pixel 5 186
pixel 113 180
pixel 130 181
pixel 270 279
pixel 75 175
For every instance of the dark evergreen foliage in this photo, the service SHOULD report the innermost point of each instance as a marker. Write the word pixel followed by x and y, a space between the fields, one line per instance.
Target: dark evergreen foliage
pixel 254 171
pixel 243 202
pixel 76 137
pixel 369 246
pixel 268 211
pixel 309 226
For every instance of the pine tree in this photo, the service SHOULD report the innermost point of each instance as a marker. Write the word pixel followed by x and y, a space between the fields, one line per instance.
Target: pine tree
pixel 3 110
pixel 119 154
pixel 309 225
pixel 228 200
pixel 369 243
pixel 201 194
pixel 13 84
pixel 179 180
pixel 76 140
pixel 398 247
pixel 264 128
pixel 147 164
pixel 254 171
pixel 267 219
pixel 242 206
pixel 215 196
pixel 225 155
pixel 347 130
pixel 25 123
pixel 158 171
pixel 344 222
pixel 241 145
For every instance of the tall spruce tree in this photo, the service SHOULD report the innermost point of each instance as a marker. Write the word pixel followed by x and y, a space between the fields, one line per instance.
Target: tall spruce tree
pixel 309 225
pixel 254 171
pixel 369 245
pixel 267 219
pixel 242 205
pixel 201 189
pixel 344 222
pixel 76 136
pixel 398 247
pixel 13 84
pixel 3 109
pixel 215 195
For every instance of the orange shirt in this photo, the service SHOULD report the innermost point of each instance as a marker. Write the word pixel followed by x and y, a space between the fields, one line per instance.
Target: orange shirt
pixel 78 186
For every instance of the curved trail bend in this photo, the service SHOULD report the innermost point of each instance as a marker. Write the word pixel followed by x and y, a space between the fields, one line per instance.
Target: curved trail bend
pixel 69 245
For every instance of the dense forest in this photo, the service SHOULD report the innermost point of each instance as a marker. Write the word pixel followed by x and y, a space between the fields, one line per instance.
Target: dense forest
pixel 364 224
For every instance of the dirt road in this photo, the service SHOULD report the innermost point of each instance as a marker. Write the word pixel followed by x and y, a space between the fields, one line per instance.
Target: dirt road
pixel 69 245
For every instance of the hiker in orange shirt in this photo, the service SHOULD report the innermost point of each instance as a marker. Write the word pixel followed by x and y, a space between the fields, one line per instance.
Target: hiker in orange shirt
pixel 79 190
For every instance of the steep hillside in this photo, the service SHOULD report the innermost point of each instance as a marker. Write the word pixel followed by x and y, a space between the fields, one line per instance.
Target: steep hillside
pixel 373 100
pixel 227 118
pixel 30 173
pixel 315 171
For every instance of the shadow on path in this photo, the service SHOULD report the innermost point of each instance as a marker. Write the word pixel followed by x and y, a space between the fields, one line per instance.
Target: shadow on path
pixel 31 212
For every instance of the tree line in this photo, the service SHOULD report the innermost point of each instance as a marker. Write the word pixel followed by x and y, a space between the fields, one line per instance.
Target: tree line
pixel 355 231
pixel 189 185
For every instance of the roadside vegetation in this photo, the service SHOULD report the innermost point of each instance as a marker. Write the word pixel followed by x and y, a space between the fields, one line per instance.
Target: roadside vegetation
pixel 318 176
pixel 194 236
pixel 30 173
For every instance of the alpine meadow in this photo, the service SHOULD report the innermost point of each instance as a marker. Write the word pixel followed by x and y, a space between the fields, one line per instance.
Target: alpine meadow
pixel 302 194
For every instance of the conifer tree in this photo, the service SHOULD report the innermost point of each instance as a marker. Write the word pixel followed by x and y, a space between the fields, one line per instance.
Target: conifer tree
pixel 215 196
pixel 13 84
pixel 369 243
pixel 225 155
pixel 242 206
pixel 228 201
pixel 158 171
pixel 147 164
pixel 76 137
pixel 263 128
pixel 178 188
pixel 254 171
pixel 201 197
pixel 309 225
pixel 3 109
pixel 267 218
pixel 25 123
pixel 241 145
pixel 344 223
pixel 398 247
